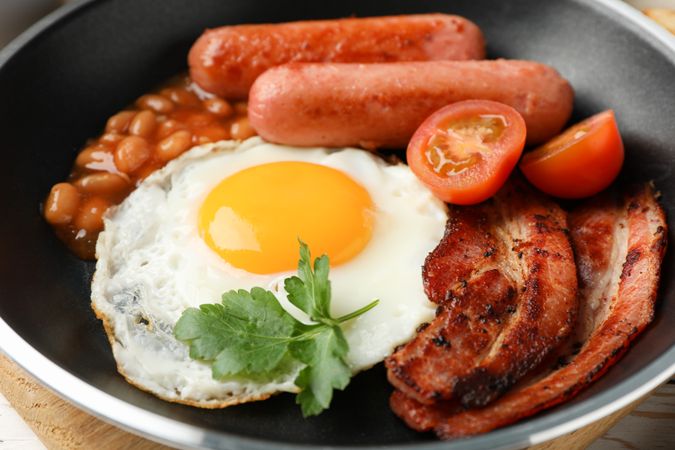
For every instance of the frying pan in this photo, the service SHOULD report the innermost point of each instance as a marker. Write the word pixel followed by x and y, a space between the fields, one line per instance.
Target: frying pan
pixel 60 81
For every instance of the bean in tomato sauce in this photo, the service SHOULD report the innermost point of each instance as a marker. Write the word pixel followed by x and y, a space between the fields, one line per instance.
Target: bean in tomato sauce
pixel 157 128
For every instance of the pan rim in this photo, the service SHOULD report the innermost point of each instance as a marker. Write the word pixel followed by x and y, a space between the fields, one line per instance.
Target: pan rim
pixel 176 433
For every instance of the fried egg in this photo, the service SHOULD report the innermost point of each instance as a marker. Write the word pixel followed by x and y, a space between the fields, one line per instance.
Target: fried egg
pixel 228 216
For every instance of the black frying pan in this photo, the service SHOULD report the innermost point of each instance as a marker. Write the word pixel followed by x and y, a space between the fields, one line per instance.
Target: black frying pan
pixel 61 80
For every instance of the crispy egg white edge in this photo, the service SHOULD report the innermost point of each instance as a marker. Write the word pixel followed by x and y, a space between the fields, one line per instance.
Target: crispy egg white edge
pixel 120 312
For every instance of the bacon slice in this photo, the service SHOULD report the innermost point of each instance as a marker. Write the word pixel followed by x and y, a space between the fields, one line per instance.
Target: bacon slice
pixel 505 280
pixel 620 242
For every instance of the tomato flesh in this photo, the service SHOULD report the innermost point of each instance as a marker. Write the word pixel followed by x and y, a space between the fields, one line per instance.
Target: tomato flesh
pixel 465 151
pixel 458 145
pixel 580 162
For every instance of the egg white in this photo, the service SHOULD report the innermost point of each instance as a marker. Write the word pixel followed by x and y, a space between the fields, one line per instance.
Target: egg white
pixel 152 265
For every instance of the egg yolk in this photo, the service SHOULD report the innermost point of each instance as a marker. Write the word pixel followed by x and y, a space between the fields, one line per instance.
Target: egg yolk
pixel 254 218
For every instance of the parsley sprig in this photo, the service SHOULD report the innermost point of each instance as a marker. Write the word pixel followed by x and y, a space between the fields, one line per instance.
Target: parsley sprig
pixel 250 334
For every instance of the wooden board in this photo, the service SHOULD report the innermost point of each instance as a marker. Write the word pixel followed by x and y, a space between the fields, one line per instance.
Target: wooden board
pixel 62 426
pixel 58 424
pixel 649 426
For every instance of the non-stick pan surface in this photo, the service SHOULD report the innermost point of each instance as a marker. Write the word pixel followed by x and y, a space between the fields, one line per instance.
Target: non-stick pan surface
pixel 63 78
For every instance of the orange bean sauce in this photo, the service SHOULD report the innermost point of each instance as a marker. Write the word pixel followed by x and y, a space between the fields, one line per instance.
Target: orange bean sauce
pixel 157 128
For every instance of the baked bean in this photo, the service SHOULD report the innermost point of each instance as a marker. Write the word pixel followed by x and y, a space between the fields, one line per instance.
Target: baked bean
pixel 218 107
pixel 198 119
pixel 119 122
pixel 168 128
pixel 62 203
pixel 241 129
pixel 241 108
pixel 181 96
pixel 91 155
pixel 111 139
pixel 143 124
pixel 146 170
pixel 110 185
pixel 159 127
pixel 155 103
pixel 212 133
pixel 172 146
pixel 131 153
pixel 90 216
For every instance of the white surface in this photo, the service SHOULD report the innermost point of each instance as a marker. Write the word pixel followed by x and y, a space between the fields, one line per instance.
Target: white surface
pixel 14 433
pixel 642 4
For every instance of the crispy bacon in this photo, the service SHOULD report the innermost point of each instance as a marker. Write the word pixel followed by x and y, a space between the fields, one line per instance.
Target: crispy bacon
pixel 505 280
pixel 619 242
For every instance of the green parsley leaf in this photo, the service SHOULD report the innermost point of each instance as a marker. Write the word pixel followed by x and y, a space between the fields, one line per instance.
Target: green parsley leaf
pixel 310 290
pixel 250 334
pixel 325 369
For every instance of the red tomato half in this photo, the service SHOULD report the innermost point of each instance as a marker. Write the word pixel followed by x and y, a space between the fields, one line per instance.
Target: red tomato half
pixel 465 151
pixel 580 162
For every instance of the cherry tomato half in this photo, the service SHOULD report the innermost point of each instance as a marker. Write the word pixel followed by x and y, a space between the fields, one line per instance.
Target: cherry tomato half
pixel 580 162
pixel 465 151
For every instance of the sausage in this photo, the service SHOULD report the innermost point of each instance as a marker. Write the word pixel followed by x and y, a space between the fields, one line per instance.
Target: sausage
pixel 226 60
pixel 381 105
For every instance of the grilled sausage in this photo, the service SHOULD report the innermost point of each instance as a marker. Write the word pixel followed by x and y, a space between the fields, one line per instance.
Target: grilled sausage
pixel 381 105
pixel 227 60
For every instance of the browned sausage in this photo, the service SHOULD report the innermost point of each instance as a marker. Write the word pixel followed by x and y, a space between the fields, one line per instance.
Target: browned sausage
pixel 381 105
pixel 227 60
